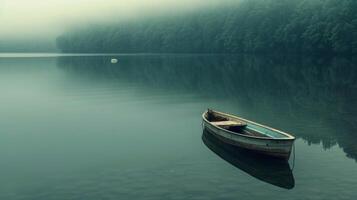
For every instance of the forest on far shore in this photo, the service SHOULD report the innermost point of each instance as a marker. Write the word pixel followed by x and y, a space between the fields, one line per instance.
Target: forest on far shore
pixel 250 26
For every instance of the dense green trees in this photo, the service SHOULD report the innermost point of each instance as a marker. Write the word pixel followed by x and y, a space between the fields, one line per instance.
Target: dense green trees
pixel 251 26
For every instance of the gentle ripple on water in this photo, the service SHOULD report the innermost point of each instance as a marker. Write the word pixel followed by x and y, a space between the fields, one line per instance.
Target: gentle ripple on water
pixel 78 127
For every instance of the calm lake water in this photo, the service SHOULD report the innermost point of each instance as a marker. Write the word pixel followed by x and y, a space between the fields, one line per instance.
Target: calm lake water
pixel 79 127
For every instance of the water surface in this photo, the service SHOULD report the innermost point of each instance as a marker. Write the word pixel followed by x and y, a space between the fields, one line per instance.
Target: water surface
pixel 79 127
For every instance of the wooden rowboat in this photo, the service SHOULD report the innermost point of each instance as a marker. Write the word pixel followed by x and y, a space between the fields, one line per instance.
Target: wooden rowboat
pixel 247 134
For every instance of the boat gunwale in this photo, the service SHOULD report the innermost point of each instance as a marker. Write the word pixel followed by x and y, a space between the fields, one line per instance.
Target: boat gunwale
pixel 288 138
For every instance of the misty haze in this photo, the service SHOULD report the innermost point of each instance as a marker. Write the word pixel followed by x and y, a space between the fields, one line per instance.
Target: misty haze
pixel 189 99
pixel 37 23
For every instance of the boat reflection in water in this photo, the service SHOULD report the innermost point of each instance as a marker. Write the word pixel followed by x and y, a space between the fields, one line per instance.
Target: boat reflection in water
pixel 274 171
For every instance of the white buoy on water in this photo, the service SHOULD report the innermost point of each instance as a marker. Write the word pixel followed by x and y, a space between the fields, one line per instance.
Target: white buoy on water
pixel 114 60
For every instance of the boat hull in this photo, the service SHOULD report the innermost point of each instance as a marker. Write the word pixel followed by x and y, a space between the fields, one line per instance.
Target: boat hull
pixel 273 171
pixel 267 146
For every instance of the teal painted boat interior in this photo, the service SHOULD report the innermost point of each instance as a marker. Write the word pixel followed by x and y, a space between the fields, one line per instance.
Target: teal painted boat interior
pixel 265 131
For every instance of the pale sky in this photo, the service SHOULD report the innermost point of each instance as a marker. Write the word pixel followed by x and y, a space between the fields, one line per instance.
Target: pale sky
pixel 31 18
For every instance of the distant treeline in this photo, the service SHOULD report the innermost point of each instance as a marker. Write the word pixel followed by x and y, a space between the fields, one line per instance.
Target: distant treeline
pixel 250 26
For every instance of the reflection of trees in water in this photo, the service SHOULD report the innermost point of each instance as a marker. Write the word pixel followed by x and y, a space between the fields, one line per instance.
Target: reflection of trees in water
pixel 317 96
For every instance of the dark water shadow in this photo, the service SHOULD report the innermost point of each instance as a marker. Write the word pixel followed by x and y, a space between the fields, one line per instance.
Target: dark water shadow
pixel 269 170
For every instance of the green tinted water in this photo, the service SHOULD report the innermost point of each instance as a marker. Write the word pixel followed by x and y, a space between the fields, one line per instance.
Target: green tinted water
pixel 79 127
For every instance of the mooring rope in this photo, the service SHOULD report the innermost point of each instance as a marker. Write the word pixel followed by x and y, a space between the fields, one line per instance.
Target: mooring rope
pixel 293 157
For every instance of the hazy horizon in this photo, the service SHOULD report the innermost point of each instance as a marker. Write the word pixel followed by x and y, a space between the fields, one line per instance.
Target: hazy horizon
pixel 24 19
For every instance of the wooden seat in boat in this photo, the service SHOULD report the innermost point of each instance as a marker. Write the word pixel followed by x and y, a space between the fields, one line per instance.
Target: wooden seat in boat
pixel 228 123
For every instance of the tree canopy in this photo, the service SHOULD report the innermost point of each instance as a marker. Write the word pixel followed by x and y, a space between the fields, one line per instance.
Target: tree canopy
pixel 250 26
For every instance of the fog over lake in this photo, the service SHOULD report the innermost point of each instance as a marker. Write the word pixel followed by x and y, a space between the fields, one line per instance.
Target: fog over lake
pixel 116 99
pixel 22 19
